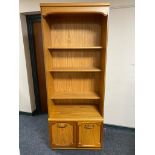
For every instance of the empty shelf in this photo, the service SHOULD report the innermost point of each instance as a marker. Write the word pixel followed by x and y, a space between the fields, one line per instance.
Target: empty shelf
pixel 76 95
pixel 63 48
pixel 75 70
pixel 74 112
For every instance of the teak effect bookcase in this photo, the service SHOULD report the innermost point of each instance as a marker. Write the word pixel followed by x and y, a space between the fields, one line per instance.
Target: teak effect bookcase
pixel 75 43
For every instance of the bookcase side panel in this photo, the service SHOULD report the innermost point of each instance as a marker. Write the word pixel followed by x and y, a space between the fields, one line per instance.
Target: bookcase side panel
pixel 103 63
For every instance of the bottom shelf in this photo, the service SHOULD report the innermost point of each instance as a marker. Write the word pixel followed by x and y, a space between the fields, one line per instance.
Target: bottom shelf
pixel 73 112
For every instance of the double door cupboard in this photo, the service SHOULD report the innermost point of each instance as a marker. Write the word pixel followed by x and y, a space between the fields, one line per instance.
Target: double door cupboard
pixel 75 44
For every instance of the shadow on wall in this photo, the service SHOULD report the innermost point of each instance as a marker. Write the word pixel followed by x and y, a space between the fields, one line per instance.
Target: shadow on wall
pixel 28 61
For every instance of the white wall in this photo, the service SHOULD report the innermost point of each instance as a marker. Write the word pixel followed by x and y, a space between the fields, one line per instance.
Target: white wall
pixel 26 93
pixel 119 98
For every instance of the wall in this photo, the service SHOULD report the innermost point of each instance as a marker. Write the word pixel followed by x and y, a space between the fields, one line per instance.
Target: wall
pixel 27 6
pixel 26 93
pixel 119 98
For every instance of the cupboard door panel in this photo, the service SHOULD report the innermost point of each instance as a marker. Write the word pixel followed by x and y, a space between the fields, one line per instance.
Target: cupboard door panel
pixel 89 134
pixel 62 134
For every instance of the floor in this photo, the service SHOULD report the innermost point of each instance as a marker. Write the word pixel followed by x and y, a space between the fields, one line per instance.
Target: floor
pixel 33 138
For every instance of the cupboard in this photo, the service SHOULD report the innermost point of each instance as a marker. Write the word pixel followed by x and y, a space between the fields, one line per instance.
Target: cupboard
pixel 75 46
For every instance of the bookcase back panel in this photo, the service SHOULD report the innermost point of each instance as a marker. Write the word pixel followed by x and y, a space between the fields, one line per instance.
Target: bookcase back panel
pixel 75 30
pixel 75 82
pixel 74 59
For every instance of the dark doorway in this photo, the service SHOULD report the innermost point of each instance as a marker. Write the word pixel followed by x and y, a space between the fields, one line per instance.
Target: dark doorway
pixel 37 61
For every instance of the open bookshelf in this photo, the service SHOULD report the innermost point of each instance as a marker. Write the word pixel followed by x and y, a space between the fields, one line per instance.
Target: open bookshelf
pixel 75 43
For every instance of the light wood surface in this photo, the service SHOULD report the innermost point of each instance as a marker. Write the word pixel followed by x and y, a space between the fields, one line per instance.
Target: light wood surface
pixel 75 4
pixel 47 11
pixel 77 148
pixel 103 62
pixel 89 134
pixel 73 113
pixel 73 82
pixel 62 134
pixel 74 30
pixel 76 95
pixel 74 59
pixel 75 42
pixel 72 48
pixel 75 69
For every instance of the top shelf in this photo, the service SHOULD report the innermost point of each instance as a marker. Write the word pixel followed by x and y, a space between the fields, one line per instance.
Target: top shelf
pixel 75 4
pixel 63 48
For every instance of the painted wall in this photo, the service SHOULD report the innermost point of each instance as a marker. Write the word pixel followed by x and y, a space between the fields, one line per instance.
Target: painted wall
pixel 119 98
pixel 26 93
pixel 27 6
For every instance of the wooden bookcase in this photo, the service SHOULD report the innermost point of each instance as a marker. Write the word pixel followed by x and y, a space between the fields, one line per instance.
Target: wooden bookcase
pixel 75 43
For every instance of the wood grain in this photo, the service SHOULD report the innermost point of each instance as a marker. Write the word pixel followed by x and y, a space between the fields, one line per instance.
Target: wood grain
pixel 74 59
pixel 75 4
pixel 75 47
pixel 89 134
pixel 73 113
pixel 76 95
pixel 74 82
pixel 47 11
pixel 103 62
pixel 75 69
pixel 75 42
pixel 62 134
pixel 74 30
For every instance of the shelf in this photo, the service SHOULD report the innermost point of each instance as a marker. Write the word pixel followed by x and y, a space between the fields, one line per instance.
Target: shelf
pixel 73 112
pixel 64 48
pixel 76 95
pixel 75 70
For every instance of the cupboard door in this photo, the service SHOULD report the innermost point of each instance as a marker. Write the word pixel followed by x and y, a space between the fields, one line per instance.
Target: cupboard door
pixel 89 134
pixel 62 134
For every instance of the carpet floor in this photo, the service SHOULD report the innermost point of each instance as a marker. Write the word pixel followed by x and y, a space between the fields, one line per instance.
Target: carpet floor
pixel 33 139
